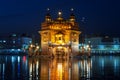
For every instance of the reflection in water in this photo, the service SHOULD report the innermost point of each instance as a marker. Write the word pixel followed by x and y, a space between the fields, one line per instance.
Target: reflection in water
pixel 106 67
pixel 94 68
pixel 34 69
pixel 81 69
pixel 59 69
pixel 97 68
pixel 13 68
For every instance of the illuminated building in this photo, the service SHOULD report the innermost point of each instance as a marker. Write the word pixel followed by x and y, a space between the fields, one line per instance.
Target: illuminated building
pixel 59 36
pixel 102 44
pixel 14 43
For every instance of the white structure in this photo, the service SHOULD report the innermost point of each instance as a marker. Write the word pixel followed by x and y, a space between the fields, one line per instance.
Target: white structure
pixel 14 43
pixel 101 45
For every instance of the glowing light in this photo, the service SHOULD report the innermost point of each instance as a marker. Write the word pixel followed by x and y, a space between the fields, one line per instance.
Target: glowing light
pixel 24 58
pixel 13 49
pixel 87 46
pixel 30 41
pixel 62 43
pixel 37 47
pixel 3 68
pixel 72 9
pixel 31 70
pixel 14 35
pixel 116 46
pixel 18 49
pixel 60 47
pixel 83 19
pixel 13 58
pixel 101 46
pixel 59 13
pixel 4 41
pixel 69 26
pixel 59 69
pixel 106 36
pixel 37 66
pixel 18 58
pixel 31 45
pixel 48 9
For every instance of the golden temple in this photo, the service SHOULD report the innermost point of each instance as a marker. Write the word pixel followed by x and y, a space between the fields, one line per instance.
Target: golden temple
pixel 59 37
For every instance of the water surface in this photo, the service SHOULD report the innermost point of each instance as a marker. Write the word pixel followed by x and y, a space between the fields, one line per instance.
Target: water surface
pixel 26 68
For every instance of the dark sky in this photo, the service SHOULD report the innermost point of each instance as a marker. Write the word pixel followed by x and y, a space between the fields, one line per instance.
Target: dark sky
pixel 94 16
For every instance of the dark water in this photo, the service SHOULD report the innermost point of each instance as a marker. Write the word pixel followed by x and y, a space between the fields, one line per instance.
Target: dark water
pixel 25 68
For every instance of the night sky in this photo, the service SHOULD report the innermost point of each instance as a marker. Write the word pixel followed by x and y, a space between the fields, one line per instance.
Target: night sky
pixel 94 16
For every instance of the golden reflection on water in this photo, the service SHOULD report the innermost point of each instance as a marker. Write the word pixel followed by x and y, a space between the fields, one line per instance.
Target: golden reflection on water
pixel 59 69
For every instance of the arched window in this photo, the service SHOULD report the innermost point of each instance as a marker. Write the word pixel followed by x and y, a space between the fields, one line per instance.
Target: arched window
pixel 59 38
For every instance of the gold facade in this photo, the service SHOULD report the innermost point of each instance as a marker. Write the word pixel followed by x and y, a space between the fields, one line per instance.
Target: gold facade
pixel 59 36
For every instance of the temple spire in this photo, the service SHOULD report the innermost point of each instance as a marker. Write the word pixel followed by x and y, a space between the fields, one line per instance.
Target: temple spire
pixel 48 16
pixel 60 15
pixel 72 16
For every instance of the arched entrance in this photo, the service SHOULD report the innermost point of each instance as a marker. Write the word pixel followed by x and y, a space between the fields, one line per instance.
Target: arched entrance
pixel 60 52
